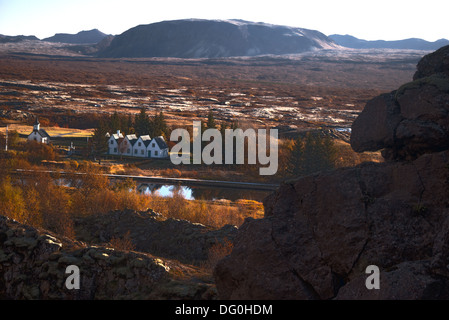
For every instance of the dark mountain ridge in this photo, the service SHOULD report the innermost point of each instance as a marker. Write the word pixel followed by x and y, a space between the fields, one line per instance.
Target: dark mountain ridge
pixel 411 43
pixel 82 37
pixel 7 39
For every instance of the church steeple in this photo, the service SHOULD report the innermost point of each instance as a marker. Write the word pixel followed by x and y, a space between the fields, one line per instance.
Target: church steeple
pixel 36 125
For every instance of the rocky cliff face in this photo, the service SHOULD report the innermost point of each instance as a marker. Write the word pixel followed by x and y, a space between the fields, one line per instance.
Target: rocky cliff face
pixel 322 231
pixel 412 120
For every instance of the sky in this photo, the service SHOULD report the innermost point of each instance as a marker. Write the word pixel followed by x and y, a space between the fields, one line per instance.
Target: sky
pixel 369 20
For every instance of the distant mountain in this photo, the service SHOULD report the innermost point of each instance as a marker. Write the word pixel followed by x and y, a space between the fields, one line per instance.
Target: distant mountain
pixel 91 36
pixel 6 39
pixel 195 38
pixel 412 43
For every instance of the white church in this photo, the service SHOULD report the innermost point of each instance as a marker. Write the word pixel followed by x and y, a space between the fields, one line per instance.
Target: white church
pixel 133 146
pixel 38 134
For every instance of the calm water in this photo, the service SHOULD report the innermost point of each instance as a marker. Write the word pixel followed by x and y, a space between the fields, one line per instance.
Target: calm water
pixel 194 193
pixel 203 193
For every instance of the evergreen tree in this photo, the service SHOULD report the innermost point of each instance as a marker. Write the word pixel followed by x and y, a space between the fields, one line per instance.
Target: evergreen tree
pixel 159 126
pixel 210 121
pixel 114 122
pixel 223 128
pixel 99 139
pixel 311 154
pixel 128 126
pixel 142 124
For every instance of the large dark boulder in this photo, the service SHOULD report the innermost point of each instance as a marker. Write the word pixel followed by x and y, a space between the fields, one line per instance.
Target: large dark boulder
pixel 434 63
pixel 412 120
pixel 321 232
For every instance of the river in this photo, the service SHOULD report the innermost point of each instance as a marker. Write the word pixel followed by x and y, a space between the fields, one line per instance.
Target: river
pixel 203 193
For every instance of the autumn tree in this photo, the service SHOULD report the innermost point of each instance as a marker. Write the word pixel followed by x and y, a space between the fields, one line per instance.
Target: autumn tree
pixel 124 243
pixel 12 204
pixel 36 152
pixel 92 189
pixel 32 199
pixel 284 157
pixel 13 139
pixel 89 178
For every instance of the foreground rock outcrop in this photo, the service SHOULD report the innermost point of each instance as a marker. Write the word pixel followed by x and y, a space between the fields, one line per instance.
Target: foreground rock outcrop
pixel 322 231
pixel 33 266
pixel 153 233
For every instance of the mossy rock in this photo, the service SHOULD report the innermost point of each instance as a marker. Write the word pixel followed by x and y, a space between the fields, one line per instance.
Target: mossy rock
pixel 125 272
pixel 55 256
pixel 138 263
pixel 31 293
pixel 5 257
pixel 87 258
pixel 438 81
pixel 20 278
pixel 47 236
pixel 118 260
pixel 97 254
pixel 69 260
pixel 29 243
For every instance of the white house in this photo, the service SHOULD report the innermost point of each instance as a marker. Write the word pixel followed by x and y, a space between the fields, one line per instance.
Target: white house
pixel 114 142
pixel 157 148
pixel 140 147
pixel 126 146
pixel 39 135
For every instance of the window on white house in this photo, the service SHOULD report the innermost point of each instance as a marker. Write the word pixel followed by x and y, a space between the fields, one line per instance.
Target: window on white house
pixel 115 149
pixel 139 144
pixel 112 141
pixel 156 153
pixel 153 145
pixel 135 151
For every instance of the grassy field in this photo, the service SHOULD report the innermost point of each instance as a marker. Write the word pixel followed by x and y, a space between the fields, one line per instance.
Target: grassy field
pixel 56 132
